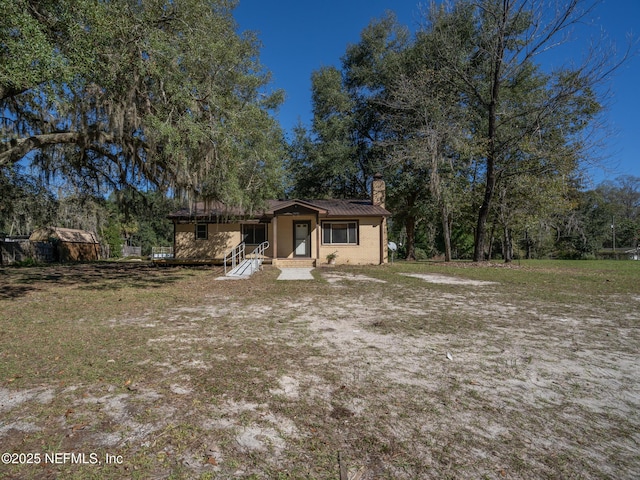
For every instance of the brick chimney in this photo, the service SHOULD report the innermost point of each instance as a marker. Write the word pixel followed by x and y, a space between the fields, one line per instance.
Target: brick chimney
pixel 378 190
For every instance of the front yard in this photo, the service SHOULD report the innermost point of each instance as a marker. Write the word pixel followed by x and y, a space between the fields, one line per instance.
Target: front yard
pixel 405 371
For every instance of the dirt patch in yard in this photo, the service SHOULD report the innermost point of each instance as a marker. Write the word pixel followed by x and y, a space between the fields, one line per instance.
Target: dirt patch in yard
pixel 336 277
pixel 446 280
pixel 405 378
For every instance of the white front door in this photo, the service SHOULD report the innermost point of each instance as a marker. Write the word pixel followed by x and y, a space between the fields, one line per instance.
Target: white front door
pixel 301 239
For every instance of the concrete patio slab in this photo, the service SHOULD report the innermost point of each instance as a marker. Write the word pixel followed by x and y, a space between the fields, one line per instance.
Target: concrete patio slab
pixel 295 274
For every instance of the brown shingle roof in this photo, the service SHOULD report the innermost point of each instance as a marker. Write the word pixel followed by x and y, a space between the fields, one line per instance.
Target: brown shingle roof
pixel 69 235
pixel 326 208
pixel 346 208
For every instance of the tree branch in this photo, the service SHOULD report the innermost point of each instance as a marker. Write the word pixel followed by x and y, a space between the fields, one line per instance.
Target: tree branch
pixel 14 150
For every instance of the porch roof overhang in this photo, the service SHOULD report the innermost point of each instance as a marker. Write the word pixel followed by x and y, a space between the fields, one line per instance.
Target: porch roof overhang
pixel 293 207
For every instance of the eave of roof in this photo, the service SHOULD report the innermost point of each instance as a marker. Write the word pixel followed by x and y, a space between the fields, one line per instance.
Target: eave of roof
pixel 325 208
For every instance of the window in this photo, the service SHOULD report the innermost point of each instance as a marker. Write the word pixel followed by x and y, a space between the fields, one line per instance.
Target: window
pixel 254 234
pixel 345 233
pixel 201 231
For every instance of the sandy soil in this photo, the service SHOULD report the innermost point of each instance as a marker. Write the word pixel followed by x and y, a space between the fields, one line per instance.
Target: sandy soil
pixel 420 383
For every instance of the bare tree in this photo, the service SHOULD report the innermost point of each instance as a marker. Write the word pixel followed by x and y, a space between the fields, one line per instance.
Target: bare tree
pixel 490 49
pixel 426 123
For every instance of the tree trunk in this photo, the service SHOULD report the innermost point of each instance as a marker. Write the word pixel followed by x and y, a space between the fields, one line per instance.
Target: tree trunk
pixel 446 233
pixel 492 236
pixel 492 133
pixel 507 246
pixel 483 213
pixel 410 226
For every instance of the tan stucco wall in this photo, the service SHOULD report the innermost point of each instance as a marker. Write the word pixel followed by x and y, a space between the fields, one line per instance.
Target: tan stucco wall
pixel 368 250
pixel 221 237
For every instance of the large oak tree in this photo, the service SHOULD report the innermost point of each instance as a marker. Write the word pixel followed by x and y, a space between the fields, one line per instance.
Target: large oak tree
pixel 126 93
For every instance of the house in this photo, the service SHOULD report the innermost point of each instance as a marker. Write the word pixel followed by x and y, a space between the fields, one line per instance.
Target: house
pixel 298 232
pixel 66 244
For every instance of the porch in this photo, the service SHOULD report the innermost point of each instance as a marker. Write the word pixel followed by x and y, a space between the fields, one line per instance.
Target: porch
pixel 237 263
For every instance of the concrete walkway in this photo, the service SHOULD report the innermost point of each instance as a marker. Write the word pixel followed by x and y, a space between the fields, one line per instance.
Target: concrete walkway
pixel 295 274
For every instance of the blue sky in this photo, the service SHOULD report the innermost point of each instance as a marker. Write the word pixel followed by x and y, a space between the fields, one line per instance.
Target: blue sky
pixel 300 36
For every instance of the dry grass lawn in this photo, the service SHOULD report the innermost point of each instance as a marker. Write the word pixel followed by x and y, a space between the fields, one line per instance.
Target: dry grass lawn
pixel 405 371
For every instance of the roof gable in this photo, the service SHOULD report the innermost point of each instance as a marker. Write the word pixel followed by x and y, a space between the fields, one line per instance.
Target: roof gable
pixel 279 207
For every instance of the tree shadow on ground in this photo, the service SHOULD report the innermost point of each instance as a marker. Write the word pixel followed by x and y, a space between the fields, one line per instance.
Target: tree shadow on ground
pixel 17 282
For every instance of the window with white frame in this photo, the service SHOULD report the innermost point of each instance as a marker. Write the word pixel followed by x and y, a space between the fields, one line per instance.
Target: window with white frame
pixel 201 231
pixel 254 233
pixel 340 233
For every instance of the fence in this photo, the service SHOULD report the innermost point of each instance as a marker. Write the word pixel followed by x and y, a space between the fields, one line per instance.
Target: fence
pixel 159 253
pixel 18 250
pixel 128 251
pixel 13 251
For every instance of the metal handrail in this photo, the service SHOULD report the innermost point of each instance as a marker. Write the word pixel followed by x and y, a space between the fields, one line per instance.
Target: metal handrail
pixel 258 255
pixel 236 255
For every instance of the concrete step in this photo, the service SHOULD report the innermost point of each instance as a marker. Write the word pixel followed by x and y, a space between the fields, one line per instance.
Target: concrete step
pixel 294 262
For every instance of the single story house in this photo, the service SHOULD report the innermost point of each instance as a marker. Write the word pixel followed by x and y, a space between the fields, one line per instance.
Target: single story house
pixel 67 244
pixel 299 232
